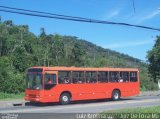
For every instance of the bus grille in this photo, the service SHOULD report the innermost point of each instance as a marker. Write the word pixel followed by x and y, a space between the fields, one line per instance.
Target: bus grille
pixel 32 95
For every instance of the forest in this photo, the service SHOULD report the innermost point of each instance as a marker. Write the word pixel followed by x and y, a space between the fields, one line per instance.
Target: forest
pixel 21 49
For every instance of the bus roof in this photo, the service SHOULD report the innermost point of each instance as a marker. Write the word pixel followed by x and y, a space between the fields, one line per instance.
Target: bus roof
pixel 57 68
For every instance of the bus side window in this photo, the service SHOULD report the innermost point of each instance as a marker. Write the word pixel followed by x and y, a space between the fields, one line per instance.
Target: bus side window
pixel 78 77
pixel 133 76
pixel 81 77
pixel 91 76
pixel 75 77
pixel 124 77
pixel 64 77
pixel 49 81
pixel 102 76
pixel 113 76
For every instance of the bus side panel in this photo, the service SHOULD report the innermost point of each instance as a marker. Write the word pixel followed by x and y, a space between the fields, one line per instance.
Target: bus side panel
pixel 80 91
pixel 133 89
pixel 51 95
pixel 102 90
pixel 83 91
pixel 92 91
pixel 127 88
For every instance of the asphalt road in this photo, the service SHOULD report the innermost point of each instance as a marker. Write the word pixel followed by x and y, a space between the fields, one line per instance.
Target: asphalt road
pixel 56 111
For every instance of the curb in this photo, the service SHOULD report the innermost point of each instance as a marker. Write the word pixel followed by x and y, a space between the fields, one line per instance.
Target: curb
pixel 150 93
pixel 12 103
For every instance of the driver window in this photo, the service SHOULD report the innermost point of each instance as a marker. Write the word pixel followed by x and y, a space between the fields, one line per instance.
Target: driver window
pixel 49 81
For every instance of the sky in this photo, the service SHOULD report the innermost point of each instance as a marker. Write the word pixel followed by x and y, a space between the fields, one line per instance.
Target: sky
pixel 132 41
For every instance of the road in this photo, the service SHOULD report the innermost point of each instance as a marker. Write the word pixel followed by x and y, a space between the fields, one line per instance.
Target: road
pixel 49 111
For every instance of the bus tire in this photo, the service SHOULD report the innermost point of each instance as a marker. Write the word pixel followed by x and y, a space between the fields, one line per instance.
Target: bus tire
pixel 115 95
pixel 65 98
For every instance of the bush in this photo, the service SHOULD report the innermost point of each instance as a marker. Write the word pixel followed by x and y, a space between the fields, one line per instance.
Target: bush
pixel 11 96
pixel 11 82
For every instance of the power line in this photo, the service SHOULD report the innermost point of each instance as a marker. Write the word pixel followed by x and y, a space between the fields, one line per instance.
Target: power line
pixel 41 15
pixel 65 17
pixel 33 11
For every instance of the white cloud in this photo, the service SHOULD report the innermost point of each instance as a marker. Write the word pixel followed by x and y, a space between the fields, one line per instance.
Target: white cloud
pixel 151 15
pixel 111 14
pixel 129 44
pixel 145 16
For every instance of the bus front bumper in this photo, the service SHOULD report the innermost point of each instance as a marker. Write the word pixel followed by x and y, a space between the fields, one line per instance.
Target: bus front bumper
pixel 35 99
pixel 44 99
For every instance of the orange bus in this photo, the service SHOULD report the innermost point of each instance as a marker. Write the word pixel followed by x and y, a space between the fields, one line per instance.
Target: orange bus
pixel 66 84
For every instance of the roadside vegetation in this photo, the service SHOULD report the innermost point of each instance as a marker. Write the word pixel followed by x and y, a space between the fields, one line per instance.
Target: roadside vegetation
pixel 6 96
pixel 20 49
pixel 134 113
pixel 155 109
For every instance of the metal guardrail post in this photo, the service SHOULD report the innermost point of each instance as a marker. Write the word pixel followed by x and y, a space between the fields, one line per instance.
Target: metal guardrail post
pixel 159 83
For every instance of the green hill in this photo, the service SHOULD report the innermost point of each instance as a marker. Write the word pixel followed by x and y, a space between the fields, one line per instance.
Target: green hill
pixel 103 57
pixel 20 49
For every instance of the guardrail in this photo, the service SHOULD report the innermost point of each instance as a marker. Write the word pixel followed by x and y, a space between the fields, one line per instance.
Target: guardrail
pixel 159 84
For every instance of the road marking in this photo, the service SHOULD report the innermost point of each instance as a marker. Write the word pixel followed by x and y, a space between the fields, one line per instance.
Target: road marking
pixel 32 110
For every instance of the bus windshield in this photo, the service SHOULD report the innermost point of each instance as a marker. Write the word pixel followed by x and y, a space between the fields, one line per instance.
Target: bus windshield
pixel 34 81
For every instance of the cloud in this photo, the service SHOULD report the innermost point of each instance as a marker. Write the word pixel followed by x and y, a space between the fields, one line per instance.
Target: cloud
pixel 151 15
pixel 146 16
pixel 129 44
pixel 111 14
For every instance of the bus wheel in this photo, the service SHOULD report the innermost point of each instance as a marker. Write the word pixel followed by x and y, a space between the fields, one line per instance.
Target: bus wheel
pixel 65 98
pixel 115 95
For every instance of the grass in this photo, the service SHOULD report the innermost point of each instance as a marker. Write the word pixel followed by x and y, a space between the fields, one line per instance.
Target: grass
pixel 7 96
pixel 155 109
pixel 136 113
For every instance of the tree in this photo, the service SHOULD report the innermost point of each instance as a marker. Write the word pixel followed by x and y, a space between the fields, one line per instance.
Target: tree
pixel 21 59
pixel 78 54
pixel 42 32
pixel 10 81
pixel 3 40
pixel 43 41
pixel 57 48
pixel 21 49
pixel 154 60
pixel 8 23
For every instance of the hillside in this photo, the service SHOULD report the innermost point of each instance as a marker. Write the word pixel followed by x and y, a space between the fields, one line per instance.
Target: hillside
pixel 108 57
pixel 20 49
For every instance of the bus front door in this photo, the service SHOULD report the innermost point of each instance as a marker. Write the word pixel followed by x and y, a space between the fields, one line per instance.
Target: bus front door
pixel 50 81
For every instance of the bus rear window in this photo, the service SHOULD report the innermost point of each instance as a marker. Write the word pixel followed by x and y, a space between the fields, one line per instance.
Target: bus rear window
pixel 133 76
